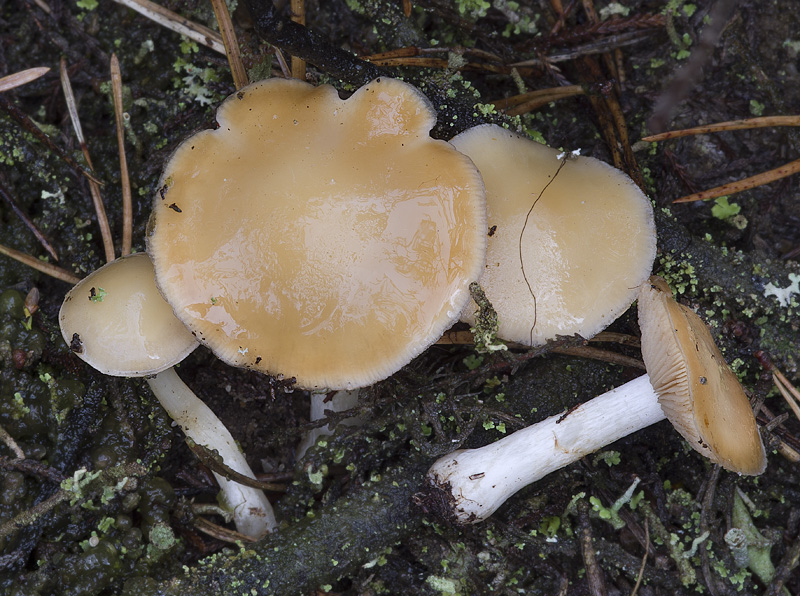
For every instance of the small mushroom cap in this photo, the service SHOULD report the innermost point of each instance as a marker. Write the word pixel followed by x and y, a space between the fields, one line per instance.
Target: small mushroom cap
pixel 323 239
pixel 116 321
pixel 697 390
pixel 580 239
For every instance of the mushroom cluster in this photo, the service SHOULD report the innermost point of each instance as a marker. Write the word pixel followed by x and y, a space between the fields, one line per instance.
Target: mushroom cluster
pixel 337 279
pixel 334 240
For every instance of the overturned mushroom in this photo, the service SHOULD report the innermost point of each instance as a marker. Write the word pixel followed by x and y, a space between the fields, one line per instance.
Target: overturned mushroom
pixel 711 409
pixel 329 240
pixel 570 238
pixel 117 322
pixel 696 388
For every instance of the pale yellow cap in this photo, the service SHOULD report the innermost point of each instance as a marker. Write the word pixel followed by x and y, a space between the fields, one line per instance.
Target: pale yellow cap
pixel 116 321
pixel 567 248
pixel 697 390
pixel 323 239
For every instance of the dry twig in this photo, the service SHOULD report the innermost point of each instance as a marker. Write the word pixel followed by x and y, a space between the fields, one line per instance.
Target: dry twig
pixel 231 43
pixel 94 187
pixel 127 206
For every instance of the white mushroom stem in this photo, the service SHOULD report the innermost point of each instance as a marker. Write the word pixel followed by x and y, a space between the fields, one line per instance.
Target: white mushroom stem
pixel 339 402
pixel 252 512
pixel 480 480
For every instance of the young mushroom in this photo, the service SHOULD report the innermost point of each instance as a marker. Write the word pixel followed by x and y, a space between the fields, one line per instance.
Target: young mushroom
pixel 323 239
pixel 117 322
pixel 688 382
pixel 570 238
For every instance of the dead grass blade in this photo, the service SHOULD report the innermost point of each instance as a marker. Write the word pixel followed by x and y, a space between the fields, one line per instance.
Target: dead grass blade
pixel 231 43
pixel 793 167
pixel 127 203
pixel 527 102
pixel 787 390
pixel 220 533
pixel 177 23
pixel 298 8
pixel 94 187
pixel 22 77
pixel 748 123
pixel 42 266
pixel 746 183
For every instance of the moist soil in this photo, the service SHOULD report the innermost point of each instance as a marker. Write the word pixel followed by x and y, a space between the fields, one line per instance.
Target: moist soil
pixel 108 497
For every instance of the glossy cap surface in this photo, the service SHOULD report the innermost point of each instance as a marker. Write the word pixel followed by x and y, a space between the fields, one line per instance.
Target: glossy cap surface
pixel 117 322
pixel 568 246
pixel 323 239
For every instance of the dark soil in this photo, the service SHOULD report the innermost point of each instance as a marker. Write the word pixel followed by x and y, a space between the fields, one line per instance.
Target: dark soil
pixel 355 517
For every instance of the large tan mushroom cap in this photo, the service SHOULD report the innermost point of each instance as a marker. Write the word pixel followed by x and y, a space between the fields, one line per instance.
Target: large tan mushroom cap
pixel 697 390
pixel 326 239
pixel 116 321
pixel 588 244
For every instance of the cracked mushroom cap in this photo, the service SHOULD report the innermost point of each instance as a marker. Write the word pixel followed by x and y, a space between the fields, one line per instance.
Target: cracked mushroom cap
pixel 697 390
pixel 116 321
pixel 323 239
pixel 568 247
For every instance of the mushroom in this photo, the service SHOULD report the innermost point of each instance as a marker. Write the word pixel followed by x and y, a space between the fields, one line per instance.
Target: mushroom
pixel 570 238
pixel 326 239
pixel 687 380
pixel 117 322
pixel 697 390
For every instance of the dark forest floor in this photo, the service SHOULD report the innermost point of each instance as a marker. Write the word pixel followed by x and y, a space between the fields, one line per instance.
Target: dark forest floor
pixel 352 524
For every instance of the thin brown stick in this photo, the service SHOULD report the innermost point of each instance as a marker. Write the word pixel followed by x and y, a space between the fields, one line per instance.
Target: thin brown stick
pixel 29 516
pixel 22 77
pixel 282 62
pixel 594 574
pixel 526 102
pixel 747 123
pixel 783 171
pixel 552 92
pixel 617 338
pixel 220 533
pixel 94 188
pixel 177 23
pixel 217 465
pixel 32 467
pixel 43 5
pixel 33 263
pixel 786 383
pixel 458 338
pixel 640 577
pixel 127 203
pixel 27 221
pixel 787 395
pixel 602 355
pixel 298 16
pixel 231 43
pixel 11 443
